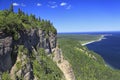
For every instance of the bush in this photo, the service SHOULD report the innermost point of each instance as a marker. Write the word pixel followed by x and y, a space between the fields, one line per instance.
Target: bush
pixel 6 76
pixel 45 68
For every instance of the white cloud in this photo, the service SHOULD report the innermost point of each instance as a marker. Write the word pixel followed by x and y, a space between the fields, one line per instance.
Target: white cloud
pixel 52 6
pixel 68 7
pixel 15 4
pixel 63 4
pixel 39 4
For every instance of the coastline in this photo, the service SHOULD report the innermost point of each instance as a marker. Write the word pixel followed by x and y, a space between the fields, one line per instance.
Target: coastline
pixel 107 65
pixel 101 38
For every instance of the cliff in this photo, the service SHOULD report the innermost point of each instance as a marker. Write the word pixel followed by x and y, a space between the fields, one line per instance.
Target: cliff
pixel 29 39
pixel 26 47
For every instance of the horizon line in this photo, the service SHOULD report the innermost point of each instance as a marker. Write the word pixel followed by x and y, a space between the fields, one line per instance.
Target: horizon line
pixel 88 31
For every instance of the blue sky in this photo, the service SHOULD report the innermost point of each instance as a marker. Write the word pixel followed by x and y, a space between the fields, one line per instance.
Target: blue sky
pixel 73 15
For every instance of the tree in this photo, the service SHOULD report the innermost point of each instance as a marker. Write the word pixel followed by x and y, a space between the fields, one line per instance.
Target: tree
pixel 11 8
pixel 19 12
pixel 39 19
pixel 32 17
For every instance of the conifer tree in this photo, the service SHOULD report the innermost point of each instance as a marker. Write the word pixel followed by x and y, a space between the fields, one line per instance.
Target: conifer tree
pixel 11 8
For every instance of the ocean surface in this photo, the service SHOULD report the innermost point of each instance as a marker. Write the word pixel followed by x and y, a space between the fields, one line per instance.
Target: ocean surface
pixel 108 48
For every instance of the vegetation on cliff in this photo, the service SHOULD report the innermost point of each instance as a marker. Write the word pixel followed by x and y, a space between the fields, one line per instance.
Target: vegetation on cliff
pixel 11 22
pixel 44 68
pixel 32 39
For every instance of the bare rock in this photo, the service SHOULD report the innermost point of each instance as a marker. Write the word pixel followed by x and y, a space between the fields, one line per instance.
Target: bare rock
pixel 5 53
pixel 30 39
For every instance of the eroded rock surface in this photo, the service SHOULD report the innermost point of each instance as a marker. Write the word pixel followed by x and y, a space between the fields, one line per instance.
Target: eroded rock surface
pixel 9 55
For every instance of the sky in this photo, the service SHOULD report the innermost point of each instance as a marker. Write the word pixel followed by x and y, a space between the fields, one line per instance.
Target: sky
pixel 72 15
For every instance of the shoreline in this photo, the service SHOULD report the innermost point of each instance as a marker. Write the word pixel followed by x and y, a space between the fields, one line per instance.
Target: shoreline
pixel 101 38
pixel 107 65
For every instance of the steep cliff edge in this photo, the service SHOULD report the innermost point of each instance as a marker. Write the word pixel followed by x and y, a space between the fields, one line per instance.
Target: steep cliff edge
pixel 11 55
pixel 6 48
pixel 25 45
pixel 63 64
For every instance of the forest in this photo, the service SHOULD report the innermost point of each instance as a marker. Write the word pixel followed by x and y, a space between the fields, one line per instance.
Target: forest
pixel 11 23
pixel 86 64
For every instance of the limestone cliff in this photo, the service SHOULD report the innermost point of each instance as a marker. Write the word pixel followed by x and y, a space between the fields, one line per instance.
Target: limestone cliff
pixel 6 48
pixel 18 61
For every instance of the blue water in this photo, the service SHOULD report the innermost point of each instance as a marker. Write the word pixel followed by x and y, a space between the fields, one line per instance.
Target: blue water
pixel 109 49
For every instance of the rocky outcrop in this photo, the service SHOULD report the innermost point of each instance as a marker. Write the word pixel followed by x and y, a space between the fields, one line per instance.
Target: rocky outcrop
pixel 20 64
pixel 6 47
pixel 38 38
pixel 22 68
pixel 63 64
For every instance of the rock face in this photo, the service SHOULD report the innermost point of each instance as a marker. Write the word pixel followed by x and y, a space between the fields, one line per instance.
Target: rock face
pixel 22 68
pixel 63 64
pixel 38 39
pixel 5 53
pixel 9 55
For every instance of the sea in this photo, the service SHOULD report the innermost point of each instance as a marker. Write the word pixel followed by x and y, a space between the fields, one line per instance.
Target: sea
pixel 108 48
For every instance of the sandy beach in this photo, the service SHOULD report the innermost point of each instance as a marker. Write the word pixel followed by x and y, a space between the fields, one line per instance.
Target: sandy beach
pixel 102 37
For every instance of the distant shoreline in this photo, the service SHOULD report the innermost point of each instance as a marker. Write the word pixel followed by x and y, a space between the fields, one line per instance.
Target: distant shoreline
pixel 102 37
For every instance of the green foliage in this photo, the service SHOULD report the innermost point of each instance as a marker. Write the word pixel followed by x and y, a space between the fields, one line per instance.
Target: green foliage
pixel 11 23
pixel 20 13
pixel 21 48
pixel 19 65
pixel 44 68
pixel 11 8
pixel 6 76
pixel 21 51
pixel 79 37
pixel 86 64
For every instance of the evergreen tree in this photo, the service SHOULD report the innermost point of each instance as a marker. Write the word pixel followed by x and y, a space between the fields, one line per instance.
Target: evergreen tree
pixel 19 12
pixel 39 19
pixel 11 8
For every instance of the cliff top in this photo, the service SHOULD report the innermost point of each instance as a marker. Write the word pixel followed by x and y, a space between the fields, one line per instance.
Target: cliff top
pixel 11 22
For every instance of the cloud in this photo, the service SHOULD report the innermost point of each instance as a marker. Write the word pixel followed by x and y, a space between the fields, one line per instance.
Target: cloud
pixel 52 4
pixel 39 4
pixel 68 7
pixel 63 4
pixel 15 4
